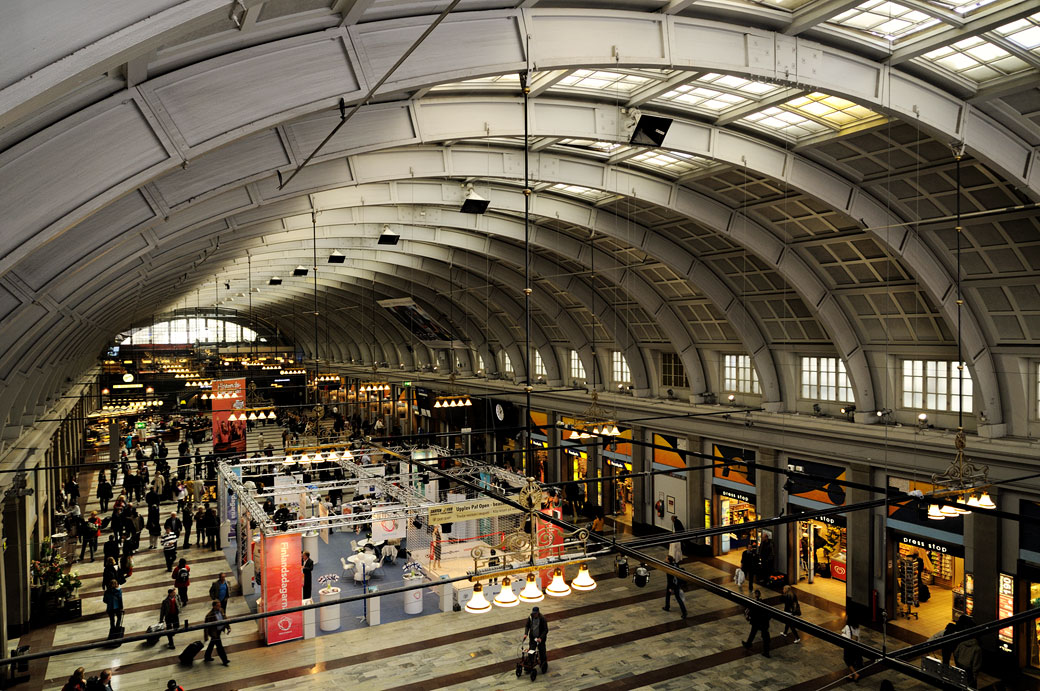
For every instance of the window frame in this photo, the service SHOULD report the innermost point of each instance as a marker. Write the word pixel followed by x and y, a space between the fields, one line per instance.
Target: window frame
pixel 822 368
pixel 577 367
pixel 933 381
pixel 619 368
pixel 673 370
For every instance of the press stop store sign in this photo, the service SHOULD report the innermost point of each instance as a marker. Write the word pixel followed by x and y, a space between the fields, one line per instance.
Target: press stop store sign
pixel 283 588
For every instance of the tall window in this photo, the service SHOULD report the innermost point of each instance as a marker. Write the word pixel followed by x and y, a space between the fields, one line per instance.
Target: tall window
pixel 619 368
pixel 738 374
pixel 936 385
pixel 193 330
pixel 825 379
pixel 539 366
pixel 577 369
pixel 480 359
pixel 672 371
pixel 507 365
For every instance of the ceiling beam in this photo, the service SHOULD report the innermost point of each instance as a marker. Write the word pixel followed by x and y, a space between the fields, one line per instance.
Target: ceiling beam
pixel 817 12
pixel 676 6
pixel 1004 87
pixel 544 80
pixel 351 10
pixel 978 25
pixel 649 93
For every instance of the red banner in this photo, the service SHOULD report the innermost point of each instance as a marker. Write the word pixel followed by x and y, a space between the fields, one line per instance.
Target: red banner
pixel 283 587
pixel 228 395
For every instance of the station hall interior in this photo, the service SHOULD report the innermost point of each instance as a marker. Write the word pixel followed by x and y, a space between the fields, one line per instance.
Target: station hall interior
pixel 404 317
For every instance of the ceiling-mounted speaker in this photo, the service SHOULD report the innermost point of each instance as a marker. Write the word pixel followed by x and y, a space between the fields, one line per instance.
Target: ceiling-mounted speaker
pixel 474 203
pixel 275 281
pixel 337 257
pixel 388 237
pixel 650 130
pixel 299 271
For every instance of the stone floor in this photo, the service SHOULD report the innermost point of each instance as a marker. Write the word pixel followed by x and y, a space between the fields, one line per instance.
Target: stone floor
pixel 614 637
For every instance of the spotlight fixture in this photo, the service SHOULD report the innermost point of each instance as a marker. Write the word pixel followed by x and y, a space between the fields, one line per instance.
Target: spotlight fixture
pixel 388 237
pixel 478 604
pixel 337 257
pixel 299 271
pixel 816 409
pixel 474 203
pixel 275 281
pixel 506 597
pixel 731 398
pixel 558 587
pixel 531 592
pixel 922 420
pixel 583 581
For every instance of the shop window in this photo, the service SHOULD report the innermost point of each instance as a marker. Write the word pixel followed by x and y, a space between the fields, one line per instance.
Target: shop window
pixel 539 365
pixel 619 368
pixel 577 369
pixel 936 385
pixel 825 379
pixel 738 374
pixel 672 371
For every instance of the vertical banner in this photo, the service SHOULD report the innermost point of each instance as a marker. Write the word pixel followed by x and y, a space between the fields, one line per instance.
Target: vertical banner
pixel 283 587
pixel 228 395
pixel 550 540
pixel 323 512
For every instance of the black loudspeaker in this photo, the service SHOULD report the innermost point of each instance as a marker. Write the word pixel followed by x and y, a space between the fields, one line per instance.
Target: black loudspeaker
pixel 650 130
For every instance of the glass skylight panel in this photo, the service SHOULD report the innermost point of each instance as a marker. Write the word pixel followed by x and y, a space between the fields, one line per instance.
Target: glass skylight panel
pixel 602 147
pixel 889 20
pixel 579 191
pixel 496 81
pixel 603 80
pixel 786 123
pixel 716 93
pixel 1024 33
pixel 834 110
pixel 675 162
pixel 977 59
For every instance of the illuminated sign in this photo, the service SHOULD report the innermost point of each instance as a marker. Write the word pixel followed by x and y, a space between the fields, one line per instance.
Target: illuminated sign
pixel 1006 608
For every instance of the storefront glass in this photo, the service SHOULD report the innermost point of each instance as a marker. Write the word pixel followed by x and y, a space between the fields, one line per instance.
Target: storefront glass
pixel 931 581
pixel 822 550
pixel 1034 627
pixel 734 509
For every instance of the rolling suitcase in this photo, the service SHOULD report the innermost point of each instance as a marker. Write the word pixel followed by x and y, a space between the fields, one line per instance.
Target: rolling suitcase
pixel 114 634
pixel 189 654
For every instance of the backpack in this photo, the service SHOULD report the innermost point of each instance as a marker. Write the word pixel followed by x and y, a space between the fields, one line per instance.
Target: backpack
pixel 94 684
pixel 182 575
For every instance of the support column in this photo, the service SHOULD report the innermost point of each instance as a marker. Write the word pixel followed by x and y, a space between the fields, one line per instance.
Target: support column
pixel 640 494
pixel 695 489
pixel 982 560
pixel 766 504
pixel 859 535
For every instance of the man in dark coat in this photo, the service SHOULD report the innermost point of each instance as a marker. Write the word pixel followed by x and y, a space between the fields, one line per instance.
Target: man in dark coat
pixel 308 569
pixel 759 618
pixel 749 565
pixel 537 629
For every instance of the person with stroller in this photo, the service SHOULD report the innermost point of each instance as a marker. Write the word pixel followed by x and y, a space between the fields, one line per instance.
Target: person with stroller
pixel 536 629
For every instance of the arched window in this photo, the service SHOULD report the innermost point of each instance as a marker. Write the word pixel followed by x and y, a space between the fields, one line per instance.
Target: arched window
pixel 190 330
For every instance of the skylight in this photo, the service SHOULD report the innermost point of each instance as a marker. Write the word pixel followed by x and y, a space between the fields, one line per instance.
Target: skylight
pixel 675 162
pixel 715 94
pixel 603 80
pixel 887 20
pixel 579 191
pixel 978 59
pixel 810 115
pixel 1024 33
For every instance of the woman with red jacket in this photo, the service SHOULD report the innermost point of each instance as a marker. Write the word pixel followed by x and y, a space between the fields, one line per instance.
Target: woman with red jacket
pixel 182 579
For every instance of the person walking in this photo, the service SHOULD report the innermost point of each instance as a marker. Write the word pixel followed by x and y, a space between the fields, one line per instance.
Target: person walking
pixel 759 618
pixel 749 565
pixel 102 682
pixel 219 591
pixel 110 573
pixel 182 579
pixel 187 518
pixel 308 568
pixel 537 629
pixel 173 524
pixel 169 615
pixel 791 606
pixel 673 587
pixel 212 530
pixel 154 529
pixel 169 546
pixel 215 617
pixel 91 532
pixel 113 599
pixel 71 492
pixel 104 492
pixel 676 548
pixel 200 526
pixel 852 658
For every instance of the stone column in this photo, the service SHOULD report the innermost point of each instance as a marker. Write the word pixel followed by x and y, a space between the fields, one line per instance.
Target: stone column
pixel 766 505
pixel 640 500
pixel 859 538
pixel 982 560
pixel 695 488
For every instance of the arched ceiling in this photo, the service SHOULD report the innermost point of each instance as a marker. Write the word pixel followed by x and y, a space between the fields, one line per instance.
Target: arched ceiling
pixel 800 202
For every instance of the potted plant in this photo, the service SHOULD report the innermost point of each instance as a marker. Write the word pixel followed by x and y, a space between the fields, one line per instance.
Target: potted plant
pixel 412 569
pixel 68 584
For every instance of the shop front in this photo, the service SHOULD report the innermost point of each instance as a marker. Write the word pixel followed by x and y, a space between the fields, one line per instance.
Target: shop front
pixel 818 548
pixel 927 581
pixel 733 496
pixel 1027 595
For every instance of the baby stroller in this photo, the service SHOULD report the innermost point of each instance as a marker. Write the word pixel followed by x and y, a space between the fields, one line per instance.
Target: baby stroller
pixel 530 660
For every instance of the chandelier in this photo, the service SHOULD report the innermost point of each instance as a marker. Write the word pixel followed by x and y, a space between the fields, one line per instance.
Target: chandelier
pixel 594 422
pixel 455 399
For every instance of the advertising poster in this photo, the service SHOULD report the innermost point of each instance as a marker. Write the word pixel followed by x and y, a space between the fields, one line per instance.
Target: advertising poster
pixel 229 395
pixel 323 512
pixel 741 472
pixel 283 587
pixel 385 526
pixel 824 487
pixel 552 536
pixel 671 455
